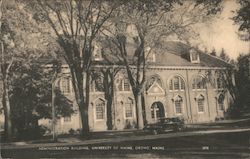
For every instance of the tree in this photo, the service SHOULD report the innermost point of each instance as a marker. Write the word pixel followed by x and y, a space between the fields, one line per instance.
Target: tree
pixel 76 25
pixel 20 40
pixel 242 19
pixel 103 80
pixel 30 96
pixel 143 26
pixel 213 53
pixel 224 56
pixel 243 81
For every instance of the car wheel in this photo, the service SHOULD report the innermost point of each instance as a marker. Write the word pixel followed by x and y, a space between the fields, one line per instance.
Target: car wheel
pixel 155 132
pixel 177 128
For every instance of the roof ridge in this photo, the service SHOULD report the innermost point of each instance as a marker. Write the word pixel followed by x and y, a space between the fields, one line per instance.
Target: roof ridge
pixel 216 57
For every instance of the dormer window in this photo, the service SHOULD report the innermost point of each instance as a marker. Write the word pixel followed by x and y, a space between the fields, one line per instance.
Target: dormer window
pixel 194 56
pixel 97 53
pixel 149 55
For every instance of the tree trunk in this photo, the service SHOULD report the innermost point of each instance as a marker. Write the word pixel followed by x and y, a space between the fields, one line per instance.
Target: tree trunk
pixel 7 111
pixel 109 96
pixel 85 105
pixel 139 117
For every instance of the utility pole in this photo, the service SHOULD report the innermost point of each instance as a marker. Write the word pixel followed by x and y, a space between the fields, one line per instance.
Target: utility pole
pixel 53 105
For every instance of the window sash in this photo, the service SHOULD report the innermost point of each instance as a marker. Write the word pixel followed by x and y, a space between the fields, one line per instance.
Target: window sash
pixel 100 110
pixel 128 110
pixel 178 106
pixel 176 84
pixel 65 85
pixel 200 103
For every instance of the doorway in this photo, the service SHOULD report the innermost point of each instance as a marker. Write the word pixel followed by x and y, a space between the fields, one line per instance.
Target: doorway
pixel 157 111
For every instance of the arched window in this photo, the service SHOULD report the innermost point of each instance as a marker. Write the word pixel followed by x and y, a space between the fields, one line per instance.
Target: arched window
pixel 200 103
pixel 65 85
pixel 129 108
pixel 152 80
pixel 221 101
pixel 220 83
pixel 178 102
pixel 199 82
pixel 176 84
pixel 100 109
pixel 99 83
pixel 123 83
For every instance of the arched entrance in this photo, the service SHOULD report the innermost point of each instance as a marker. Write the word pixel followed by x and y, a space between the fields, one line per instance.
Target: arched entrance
pixel 157 111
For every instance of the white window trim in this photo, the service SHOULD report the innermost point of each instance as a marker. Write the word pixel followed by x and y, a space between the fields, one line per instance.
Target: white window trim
pixel 124 111
pixel 191 57
pixel 204 105
pixel 70 85
pixel 179 79
pixel 182 106
pixel 122 78
pixel 105 110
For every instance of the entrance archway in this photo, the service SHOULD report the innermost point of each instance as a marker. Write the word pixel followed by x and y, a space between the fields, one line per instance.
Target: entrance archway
pixel 157 111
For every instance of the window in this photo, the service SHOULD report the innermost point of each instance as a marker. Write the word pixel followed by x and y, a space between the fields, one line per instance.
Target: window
pixel 99 84
pixel 67 119
pixel 100 109
pixel 176 83
pixel 178 104
pixel 194 56
pixel 97 53
pixel 123 84
pixel 129 108
pixel 178 108
pixel 149 55
pixel 65 85
pixel 200 103
pixel 220 83
pixel 199 83
pixel 126 84
pixel 221 102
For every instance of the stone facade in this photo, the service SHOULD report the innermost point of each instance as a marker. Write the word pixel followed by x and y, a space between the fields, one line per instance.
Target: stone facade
pixel 186 86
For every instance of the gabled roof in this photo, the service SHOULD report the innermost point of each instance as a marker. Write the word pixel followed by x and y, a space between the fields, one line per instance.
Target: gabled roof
pixel 170 53
pixel 177 54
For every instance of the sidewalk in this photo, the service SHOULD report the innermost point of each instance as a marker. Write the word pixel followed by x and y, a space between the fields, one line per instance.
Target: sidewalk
pixel 73 141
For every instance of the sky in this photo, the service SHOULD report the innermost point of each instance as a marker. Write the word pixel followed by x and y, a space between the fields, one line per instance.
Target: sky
pixel 222 33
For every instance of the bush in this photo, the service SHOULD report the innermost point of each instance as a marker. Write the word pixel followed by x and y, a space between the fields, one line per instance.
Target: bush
pixel 32 132
pixel 72 131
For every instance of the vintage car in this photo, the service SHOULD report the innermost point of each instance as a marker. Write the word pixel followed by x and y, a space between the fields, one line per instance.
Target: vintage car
pixel 165 125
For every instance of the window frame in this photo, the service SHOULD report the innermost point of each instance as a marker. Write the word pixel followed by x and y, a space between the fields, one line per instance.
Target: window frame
pixel 191 54
pixel 195 80
pixel 68 85
pixel 219 103
pixel 199 98
pixel 179 99
pixel 181 84
pixel 120 85
pixel 129 102
pixel 104 113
